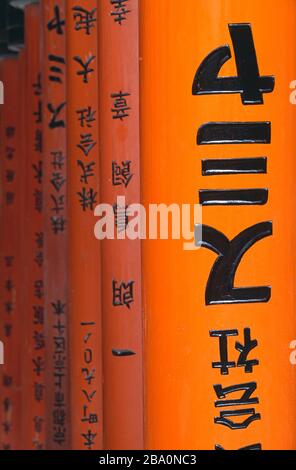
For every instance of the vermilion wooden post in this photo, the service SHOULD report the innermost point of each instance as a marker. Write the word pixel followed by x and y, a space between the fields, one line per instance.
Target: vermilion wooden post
pixel 119 140
pixel 9 255
pixel 220 319
pixel 22 189
pixel 84 250
pixel 55 224
pixel 33 344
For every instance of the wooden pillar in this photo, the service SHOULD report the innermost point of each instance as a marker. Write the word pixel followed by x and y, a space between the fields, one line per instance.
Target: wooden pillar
pixel 120 188
pixel 219 320
pixel 84 278
pixel 11 332
pixel 55 224
pixel 33 344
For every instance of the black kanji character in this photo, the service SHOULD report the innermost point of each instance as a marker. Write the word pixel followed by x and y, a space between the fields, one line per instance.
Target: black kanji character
pixel 7 404
pixel 57 181
pixel 58 160
pixel 9 285
pixel 10 174
pixel 38 140
pixel 7 330
pixel 38 422
pixel 39 391
pixel 86 69
pixel 56 71
pixel 87 198
pixel 8 261
pixel 86 143
pixel 220 286
pixel 224 364
pixel 55 122
pixel 121 174
pixel 10 132
pixel 89 375
pixel 87 171
pixel 84 19
pixel 38 289
pixel 89 439
pixel 39 239
pixel 88 355
pixel 38 113
pixel 123 293
pixel 10 197
pixel 39 340
pixel 9 151
pixel 37 86
pixel 38 196
pixel 38 169
pixel 7 380
pixel 86 116
pixel 225 416
pixel 38 314
pixel 120 105
pixel 248 82
pixel 9 306
pixel 89 396
pixel 120 11
pixel 59 203
pixel 39 364
pixel 59 308
pixel 244 350
pixel 91 418
pixel 56 23
pixel 39 258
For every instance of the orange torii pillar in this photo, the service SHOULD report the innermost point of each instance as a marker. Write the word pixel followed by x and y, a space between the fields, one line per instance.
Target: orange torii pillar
pixel 22 188
pixel 218 129
pixel 121 257
pixel 84 293
pixel 11 309
pixel 55 224
pixel 33 338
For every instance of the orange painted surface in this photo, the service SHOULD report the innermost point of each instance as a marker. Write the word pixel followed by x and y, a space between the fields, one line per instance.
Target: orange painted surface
pixel 9 253
pixel 120 176
pixel 33 344
pixel 84 278
pixel 180 398
pixel 55 224
pixel 21 219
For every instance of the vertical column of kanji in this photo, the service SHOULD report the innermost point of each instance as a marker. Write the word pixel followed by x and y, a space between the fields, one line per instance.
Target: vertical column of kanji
pixel 220 319
pixel 33 365
pixel 55 224
pixel 10 307
pixel 84 250
pixel 120 188
pixel 22 188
